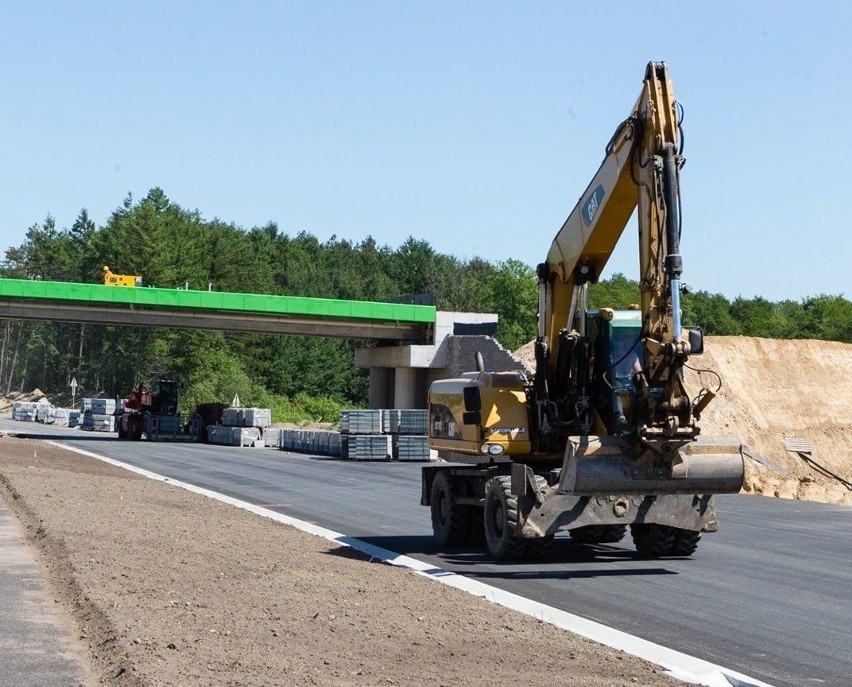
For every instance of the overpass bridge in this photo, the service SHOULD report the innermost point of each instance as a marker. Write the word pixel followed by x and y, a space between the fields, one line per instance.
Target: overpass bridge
pixel 217 310
pixel 414 344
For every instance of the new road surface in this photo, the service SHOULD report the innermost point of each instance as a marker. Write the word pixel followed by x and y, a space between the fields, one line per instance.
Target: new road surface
pixel 768 595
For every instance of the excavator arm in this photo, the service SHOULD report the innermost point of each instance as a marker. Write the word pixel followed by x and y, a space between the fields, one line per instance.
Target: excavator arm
pixel 641 169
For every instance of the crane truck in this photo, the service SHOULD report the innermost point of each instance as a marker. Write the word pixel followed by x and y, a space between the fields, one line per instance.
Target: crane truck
pixel 604 435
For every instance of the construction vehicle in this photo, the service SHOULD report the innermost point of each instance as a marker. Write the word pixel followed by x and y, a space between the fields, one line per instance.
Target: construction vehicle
pixel 112 279
pixel 154 414
pixel 604 435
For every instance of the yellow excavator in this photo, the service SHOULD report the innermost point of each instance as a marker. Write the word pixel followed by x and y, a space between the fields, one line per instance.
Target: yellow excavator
pixel 111 279
pixel 604 435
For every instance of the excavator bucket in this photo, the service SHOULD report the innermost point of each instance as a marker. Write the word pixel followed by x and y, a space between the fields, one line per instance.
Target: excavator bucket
pixel 609 465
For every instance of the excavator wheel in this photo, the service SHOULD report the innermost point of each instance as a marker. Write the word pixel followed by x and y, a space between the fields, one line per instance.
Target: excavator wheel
pixel 501 516
pixel 653 541
pixel 598 534
pixel 590 534
pixel 686 542
pixel 450 522
pixel 477 526
pixel 613 534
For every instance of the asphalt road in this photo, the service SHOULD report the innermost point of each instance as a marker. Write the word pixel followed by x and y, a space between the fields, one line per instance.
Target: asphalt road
pixel 769 595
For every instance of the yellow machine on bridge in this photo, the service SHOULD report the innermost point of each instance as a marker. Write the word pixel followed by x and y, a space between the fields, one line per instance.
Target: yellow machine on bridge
pixel 112 279
pixel 604 436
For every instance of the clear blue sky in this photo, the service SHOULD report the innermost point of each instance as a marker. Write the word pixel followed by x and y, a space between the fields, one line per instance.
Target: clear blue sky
pixel 473 126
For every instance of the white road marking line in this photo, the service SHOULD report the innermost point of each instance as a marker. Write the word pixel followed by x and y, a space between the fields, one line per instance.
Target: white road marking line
pixel 676 664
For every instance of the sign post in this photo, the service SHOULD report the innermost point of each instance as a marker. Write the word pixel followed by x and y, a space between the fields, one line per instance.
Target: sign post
pixel 73 391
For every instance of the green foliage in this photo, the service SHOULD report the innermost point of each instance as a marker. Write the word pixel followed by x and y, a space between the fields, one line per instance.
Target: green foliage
pixel 514 287
pixel 302 379
pixel 618 292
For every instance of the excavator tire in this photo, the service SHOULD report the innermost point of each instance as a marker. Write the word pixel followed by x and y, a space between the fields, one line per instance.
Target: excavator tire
pixel 477 526
pixel 653 541
pixel 598 534
pixel 686 542
pixel 501 517
pixel 613 533
pixel 450 521
pixel 589 534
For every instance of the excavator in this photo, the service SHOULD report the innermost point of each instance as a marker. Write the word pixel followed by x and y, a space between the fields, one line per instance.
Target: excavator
pixel 110 278
pixel 604 436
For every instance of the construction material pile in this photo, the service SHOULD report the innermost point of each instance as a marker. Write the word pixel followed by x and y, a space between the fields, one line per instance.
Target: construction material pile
pixel 98 414
pixel 383 435
pixel 241 427
pixel 42 411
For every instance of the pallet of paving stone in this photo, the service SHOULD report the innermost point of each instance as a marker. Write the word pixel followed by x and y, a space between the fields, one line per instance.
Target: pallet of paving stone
pixel 361 421
pixel 24 411
pixel 405 421
pixel 96 422
pixel 247 417
pixel 102 406
pixel 369 447
pixel 407 447
pixel 234 436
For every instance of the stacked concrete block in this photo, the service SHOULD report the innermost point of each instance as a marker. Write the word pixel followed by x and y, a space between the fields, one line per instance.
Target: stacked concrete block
pixel 102 406
pixel 361 421
pixel 97 422
pixel 24 411
pixel 369 447
pixel 257 417
pixel 272 436
pixel 235 436
pixel 361 436
pixel 74 418
pixel 398 433
pixel 60 417
pixel 44 413
pixel 247 417
pixel 97 415
pixel 408 447
pixel 405 421
pixel 315 441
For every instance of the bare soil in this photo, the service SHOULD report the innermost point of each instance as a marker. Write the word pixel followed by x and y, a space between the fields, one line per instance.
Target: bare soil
pixel 773 390
pixel 166 587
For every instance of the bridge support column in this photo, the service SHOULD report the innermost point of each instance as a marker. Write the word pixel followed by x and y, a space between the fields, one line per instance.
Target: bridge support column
pixel 381 387
pixel 405 388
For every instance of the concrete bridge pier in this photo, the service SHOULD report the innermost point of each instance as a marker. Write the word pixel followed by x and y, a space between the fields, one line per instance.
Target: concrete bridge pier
pixel 400 375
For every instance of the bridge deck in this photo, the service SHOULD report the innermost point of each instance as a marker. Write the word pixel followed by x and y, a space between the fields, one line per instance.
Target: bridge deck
pixel 148 306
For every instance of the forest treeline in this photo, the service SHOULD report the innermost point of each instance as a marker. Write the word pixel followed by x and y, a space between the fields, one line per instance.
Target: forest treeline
pixel 298 377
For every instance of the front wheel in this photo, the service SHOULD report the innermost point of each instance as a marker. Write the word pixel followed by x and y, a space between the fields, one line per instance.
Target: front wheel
pixel 652 540
pixel 450 522
pixel 686 542
pixel 501 518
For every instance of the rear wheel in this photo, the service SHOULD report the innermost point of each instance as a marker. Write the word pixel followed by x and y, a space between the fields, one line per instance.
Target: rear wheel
pixel 450 522
pixel 652 540
pixel 686 542
pixel 598 534
pixel 501 517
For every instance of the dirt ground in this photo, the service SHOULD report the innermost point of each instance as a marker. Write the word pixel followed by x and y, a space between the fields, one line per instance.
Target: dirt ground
pixel 166 587
pixel 772 390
